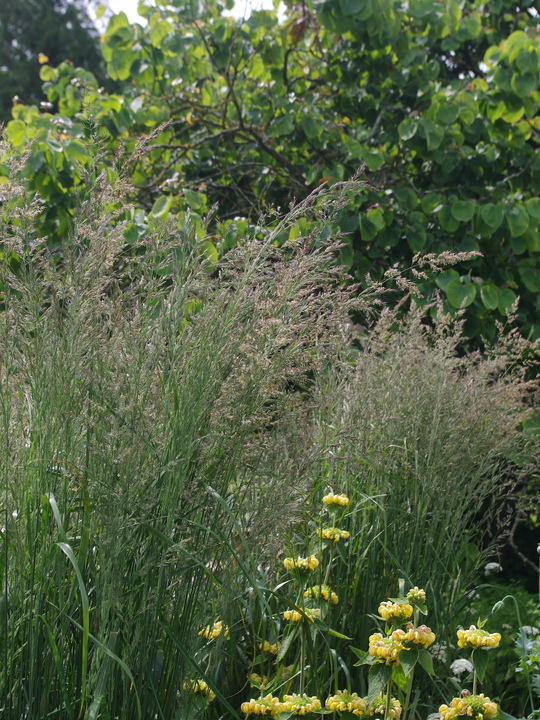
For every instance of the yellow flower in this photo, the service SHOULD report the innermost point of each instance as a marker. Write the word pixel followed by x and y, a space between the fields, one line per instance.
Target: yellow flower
pixel 395 611
pixel 478 706
pixel 333 499
pixel 42 58
pixel 344 701
pixel 199 686
pixel 420 635
pixel 322 591
pixel 267 705
pixel 256 680
pixel 475 637
pixel 272 648
pixel 299 563
pixel 300 704
pixel 378 707
pixel 213 631
pixel 416 596
pixel 309 615
pixel 386 648
pixel 332 533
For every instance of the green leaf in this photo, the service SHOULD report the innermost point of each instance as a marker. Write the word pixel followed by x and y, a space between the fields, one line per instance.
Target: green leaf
pixel 524 85
pixel 434 133
pixel 479 658
pixel 460 294
pixel 407 128
pixel 161 206
pixel 463 210
pixel 533 207
pixel 447 220
pixel 399 678
pixel 448 114
pixel 408 659
pixel 284 125
pixel 426 661
pixel 490 296
pixel 378 678
pixel 492 215
pixel 445 277
pixel 507 299
pixel 530 275
pixel 210 251
pixel 193 199
pixel 364 658
pixel 517 220
pixel 310 127
pixel 374 159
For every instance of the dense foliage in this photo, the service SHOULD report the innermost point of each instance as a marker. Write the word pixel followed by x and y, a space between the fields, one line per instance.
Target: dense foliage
pixel 170 424
pixel 56 30
pixel 437 101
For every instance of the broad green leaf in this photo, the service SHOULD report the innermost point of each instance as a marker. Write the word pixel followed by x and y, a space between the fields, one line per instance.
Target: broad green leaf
pixel 533 207
pixel 490 296
pixel 492 215
pixel 432 202
pixel 285 645
pixel 527 61
pixel 448 114
pixel 426 661
pixel 530 275
pixel 434 133
pixel 480 658
pixel 378 678
pixel 210 251
pixel 523 85
pixel 161 206
pixel 507 299
pixel 517 220
pixel 407 128
pixel 463 210
pixel 408 659
pixel 284 125
pixel 368 229
pixel 16 132
pixel 46 73
pixel 195 200
pixel 377 218
pixel 399 678
pixel 442 279
pixel 374 159
pixel 310 127
pixel 460 294
pixel 447 220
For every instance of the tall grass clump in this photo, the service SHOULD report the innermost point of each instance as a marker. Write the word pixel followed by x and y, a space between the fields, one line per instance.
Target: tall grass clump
pixel 169 426
pixel 138 391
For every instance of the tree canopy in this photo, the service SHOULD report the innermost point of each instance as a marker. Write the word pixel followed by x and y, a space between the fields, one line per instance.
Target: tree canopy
pixel 436 102
pixel 56 29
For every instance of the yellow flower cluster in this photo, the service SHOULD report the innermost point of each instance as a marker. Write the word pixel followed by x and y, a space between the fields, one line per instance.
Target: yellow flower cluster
pixel 333 499
pixel 420 635
pixel 334 534
pixel 272 648
pixel 395 611
pixel 476 706
pixel 416 596
pixel 379 705
pixel 318 591
pixel 309 615
pixel 344 701
pixel 267 705
pixel 213 631
pixel 474 637
pixel 386 648
pixel 199 686
pixel 299 563
pixel 256 680
pixel 300 704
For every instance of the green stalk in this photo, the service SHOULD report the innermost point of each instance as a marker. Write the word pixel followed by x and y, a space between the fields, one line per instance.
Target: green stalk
pixel 388 700
pixel 329 566
pixel 408 696
pixel 302 660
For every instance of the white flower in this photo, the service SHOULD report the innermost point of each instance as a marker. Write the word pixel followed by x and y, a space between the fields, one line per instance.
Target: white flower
pixel 492 567
pixel 531 630
pixel 460 666
pixel 438 652
pixel 434 716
